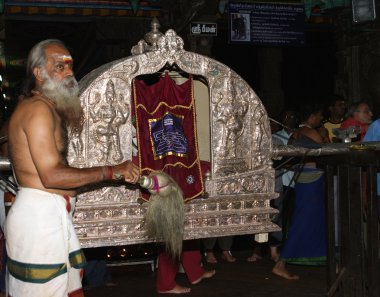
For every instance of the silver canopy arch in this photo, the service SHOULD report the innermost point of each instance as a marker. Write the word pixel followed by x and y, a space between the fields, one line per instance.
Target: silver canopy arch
pixel 241 182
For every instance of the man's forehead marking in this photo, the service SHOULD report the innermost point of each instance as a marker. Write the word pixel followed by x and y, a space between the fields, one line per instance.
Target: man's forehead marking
pixel 65 58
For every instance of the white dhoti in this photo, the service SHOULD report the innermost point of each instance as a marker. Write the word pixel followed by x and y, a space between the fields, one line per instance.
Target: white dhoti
pixel 44 255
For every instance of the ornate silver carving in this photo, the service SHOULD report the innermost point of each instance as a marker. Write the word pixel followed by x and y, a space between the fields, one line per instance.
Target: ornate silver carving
pixel 230 111
pixel 108 112
pixel 153 36
pixel 150 39
pixel 119 223
pixel 241 181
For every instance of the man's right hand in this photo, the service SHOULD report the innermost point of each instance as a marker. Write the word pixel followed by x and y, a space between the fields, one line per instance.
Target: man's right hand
pixel 128 170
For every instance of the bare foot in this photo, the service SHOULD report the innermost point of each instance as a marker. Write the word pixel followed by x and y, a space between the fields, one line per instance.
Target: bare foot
pixel 280 270
pixel 228 257
pixel 176 290
pixel 206 274
pixel 210 258
pixel 254 258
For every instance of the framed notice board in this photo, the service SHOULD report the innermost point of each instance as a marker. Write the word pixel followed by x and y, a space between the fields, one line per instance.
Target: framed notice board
pixel 275 24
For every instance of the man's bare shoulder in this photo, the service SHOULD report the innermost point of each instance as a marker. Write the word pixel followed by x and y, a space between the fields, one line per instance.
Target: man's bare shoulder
pixel 34 102
pixel 32 117
pixel 31 107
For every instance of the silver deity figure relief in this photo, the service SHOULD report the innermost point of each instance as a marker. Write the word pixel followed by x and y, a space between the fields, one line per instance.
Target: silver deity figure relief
pixel 108 115
pixel 230 113
pixel 260 136
pixel 77 143
pixel 259 129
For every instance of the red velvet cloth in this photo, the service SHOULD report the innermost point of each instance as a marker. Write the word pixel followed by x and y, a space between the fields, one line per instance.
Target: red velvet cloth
pixel 166 132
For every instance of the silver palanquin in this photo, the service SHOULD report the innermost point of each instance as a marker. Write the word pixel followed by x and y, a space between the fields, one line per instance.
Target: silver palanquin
pixel 241 182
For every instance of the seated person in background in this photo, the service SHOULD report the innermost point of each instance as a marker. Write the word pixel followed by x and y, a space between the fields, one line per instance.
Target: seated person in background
pixel 289 120
pixel 309 127
pixel 360 115
pixel 336 111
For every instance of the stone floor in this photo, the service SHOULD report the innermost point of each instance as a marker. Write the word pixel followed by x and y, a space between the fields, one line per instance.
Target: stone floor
pixel 239 279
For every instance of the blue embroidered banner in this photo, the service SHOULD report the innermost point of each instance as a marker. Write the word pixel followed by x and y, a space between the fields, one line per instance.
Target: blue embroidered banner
pixel 168 136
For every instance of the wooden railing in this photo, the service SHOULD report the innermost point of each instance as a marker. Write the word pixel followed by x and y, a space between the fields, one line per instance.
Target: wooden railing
pixel 352 216
pixel 353 224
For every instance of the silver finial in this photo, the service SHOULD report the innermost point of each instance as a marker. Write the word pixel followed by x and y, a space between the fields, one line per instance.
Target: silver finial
pixel 152 37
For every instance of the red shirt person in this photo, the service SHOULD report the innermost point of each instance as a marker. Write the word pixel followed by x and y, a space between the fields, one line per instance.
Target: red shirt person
pixel 359 115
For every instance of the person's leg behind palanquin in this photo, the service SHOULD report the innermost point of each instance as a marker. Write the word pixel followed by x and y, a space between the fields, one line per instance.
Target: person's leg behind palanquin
pixel 225 244
pixel 209 244
pixel 275 238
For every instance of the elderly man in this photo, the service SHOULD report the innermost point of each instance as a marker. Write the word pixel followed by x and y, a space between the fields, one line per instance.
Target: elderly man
pixel 44 252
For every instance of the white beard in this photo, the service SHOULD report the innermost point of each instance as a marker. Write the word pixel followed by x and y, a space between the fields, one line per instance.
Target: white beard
pixel 65 95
